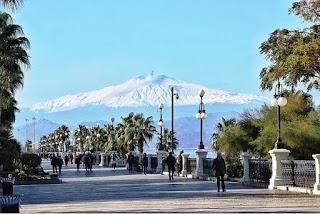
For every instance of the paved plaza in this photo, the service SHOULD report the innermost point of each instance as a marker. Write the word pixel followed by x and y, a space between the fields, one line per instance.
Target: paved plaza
pixel 108 190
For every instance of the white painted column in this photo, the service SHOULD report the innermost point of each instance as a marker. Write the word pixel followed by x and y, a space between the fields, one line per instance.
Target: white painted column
pixel 246 177
pixel 149 161
pixel 201 154
pixel 102 159
pixel 277 156
pixel 160 155
pixel 98 154
pixel 184 164
pixel 316 186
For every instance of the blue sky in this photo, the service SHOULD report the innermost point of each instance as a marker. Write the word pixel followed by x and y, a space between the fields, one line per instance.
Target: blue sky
pixel 83 45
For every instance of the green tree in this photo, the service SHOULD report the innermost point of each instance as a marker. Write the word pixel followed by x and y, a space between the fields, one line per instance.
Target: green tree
pixel 166 141
pixel 11 4
pixel 294 54
pixel 80 136
pixel 13 57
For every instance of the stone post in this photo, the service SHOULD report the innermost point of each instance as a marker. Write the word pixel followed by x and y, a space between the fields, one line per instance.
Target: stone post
pixel 102 163
pixel 316 187
pixel 98 154
pixel 277 156
pixel 201 154
pixel 184 171
pixel 149 161
pixel 160 155
pixel 246 177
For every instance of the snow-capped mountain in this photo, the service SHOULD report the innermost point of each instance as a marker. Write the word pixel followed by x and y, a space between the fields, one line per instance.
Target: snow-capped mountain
pixel 144 91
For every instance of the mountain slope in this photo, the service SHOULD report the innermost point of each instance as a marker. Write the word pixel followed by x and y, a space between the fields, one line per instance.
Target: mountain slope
pixel 144 91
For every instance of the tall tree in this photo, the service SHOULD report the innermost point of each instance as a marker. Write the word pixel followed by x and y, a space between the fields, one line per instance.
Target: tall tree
pixel 294 54
pixel 11 4
pixel 13 57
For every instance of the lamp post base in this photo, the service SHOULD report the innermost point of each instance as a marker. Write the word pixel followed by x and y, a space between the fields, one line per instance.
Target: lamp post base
pixel 279 144
pixel 201 146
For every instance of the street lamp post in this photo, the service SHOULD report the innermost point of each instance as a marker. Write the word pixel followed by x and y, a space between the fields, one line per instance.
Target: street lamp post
pixel 161 125
pixel 172 113
pixel 201 115
pixel 26 145
pixel 34 134
pixel 278 101
pixel 132 129
pixel 112 132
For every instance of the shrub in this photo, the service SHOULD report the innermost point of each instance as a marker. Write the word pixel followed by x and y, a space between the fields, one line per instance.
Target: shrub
pixel 31 160
pixel 234 167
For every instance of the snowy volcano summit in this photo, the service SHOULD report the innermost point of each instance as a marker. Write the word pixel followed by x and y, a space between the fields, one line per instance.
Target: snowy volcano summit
pixel 144 91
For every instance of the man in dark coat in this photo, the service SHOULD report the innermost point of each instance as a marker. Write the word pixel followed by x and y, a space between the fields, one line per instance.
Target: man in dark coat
pixel 54 163
pixel 171 161
pixel 219 167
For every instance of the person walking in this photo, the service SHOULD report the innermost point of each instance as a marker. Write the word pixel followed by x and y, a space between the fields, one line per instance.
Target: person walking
pixel 71 158
pixel 77 162
pixel 66 159
pixel 144 163
pixel 219 167
pixel 171 161
pixel 130 161
pixel 60 162
pixel 180 162
pixel 54 163
pixel 113 160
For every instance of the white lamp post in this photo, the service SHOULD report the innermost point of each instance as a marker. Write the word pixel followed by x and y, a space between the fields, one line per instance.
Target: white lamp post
pixel 161 124
pixel 201 115
pixel 278 101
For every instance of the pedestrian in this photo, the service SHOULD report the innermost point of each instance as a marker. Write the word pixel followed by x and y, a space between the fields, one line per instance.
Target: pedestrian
pixel 144 163
pixel 171 161
pixel 113 160
pixel 130 161
pixel 87 162
pixel 219 167
pixel 71 158
pixel 66 159
pixel 78 162
pixel 180 162
pixel 60 162
pixel 54 163
pixel 163 164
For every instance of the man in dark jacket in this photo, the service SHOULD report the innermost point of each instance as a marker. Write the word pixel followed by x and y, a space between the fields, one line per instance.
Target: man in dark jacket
pixel 171 161
pixel 219 167
pixel 54 163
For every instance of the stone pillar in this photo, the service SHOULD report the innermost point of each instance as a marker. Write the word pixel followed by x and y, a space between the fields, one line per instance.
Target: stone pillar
pixel 184 164
pixel 316 187
pixel 149 161
pixel 160 155
pixel 201 154
pixel 102 163
pixel 98 154
pixel 246 177
pixel 109 155
pixel 277 156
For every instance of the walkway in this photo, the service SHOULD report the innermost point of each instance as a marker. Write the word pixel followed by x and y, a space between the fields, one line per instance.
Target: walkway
pixel 108 190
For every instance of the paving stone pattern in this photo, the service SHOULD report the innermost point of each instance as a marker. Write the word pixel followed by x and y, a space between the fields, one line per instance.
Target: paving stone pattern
pixel 118 191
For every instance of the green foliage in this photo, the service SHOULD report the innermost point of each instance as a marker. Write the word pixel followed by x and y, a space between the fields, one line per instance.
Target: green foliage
pixel 234 167
pixel 257 129
pixel 21 171
pixel 294 54
pixel 31 160
pixel 9 150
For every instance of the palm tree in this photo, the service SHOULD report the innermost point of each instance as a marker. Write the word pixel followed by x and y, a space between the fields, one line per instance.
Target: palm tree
pixel 220 128
pixel 80 136
pixel 144 130
pixel 12 4
pixel 166 141
pixel 12 57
